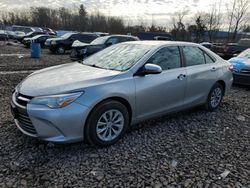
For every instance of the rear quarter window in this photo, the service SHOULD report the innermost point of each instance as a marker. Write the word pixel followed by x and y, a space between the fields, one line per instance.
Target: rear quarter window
pixel 193 56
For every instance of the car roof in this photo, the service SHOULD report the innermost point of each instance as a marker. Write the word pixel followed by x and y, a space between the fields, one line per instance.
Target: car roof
pixel 117 35
pixel 161 43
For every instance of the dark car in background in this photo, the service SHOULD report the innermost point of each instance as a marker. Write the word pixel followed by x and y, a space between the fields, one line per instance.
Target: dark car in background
pixel 163 38
pixel 60 44
pixel 207 44
pixel 30 35
pixel 82 50
pixel 48 31
pixel 155 36
pixel 241 67
pixel 3 35
pixel 37 39
pixel 230 50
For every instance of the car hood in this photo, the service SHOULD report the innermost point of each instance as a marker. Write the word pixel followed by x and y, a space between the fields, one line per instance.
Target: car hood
pixel 240 63
pixel 77 43
pixel 63 79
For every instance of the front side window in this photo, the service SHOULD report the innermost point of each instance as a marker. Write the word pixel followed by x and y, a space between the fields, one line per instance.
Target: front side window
pixel 167 58
pixel 193 56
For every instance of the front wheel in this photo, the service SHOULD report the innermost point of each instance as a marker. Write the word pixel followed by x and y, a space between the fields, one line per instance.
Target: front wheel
pixel 215 97
pixel 107 123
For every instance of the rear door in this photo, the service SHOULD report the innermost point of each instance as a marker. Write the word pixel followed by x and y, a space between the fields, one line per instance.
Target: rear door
pixel 202 72
pixel 160 93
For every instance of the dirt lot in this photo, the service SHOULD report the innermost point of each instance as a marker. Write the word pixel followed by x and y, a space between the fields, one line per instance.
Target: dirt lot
pixel 193 148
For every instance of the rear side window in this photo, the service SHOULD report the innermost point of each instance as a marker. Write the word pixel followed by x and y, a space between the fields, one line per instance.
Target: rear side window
pixel 208 58
pixel 91 38
pixel 167 58
pixel 85 38
pixel 131 39
pixel 122 39
pixel 193 56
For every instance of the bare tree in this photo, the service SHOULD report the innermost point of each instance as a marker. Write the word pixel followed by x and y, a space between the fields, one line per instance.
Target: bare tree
pixel 237 14
pixel 178 30
pixel 212 20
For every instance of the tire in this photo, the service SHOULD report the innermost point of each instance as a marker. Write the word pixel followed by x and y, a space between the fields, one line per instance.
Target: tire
pixel 214 97
pixel 53 51
pixel 99 121
pixel 60 50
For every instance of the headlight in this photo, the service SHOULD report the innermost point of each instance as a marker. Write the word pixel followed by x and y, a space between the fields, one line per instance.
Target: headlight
pixel 53 42
pixel 56 101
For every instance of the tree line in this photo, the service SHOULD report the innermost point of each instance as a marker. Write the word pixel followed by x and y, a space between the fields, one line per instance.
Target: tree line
pixel 235 18
pixel 66 19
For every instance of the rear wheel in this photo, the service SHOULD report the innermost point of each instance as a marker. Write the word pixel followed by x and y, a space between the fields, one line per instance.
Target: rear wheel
pixel 107 123
pixel 215 97
pixel 60 50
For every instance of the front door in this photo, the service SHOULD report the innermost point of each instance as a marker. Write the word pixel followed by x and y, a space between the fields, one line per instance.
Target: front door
pixel 164 92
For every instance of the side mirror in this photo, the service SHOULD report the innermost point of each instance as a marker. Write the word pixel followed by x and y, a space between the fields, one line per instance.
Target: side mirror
pixel 149 69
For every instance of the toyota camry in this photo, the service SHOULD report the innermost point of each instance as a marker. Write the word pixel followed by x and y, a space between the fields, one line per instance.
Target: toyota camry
pixel 98 99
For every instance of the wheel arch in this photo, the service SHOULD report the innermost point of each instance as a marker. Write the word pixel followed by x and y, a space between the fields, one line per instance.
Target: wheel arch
pixel 115 98
pixel 223 84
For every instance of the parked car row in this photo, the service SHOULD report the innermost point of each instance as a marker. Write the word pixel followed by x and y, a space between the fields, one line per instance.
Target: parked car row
pixel 41 39
pixel 82 50
pixel 61 44
pixel 228 50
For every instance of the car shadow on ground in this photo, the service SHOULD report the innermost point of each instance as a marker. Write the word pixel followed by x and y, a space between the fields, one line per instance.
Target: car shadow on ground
pixel 143 126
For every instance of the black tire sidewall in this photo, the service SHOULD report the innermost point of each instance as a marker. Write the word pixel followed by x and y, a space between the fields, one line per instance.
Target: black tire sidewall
pixel 58 51
pixel 208 103
pixel 90 130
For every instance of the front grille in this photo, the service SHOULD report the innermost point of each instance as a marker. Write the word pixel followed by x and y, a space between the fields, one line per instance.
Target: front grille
pixel 25 123
pixel 20 113
pixel 245 71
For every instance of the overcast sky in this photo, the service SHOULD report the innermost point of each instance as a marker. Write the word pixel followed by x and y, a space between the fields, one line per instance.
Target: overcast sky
pixel 133 10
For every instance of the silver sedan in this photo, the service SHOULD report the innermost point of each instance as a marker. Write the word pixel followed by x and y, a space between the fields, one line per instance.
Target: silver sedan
pixel 98 99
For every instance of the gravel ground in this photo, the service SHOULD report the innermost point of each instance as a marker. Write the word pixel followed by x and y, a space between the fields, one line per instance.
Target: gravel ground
pixel 14 63
pixel 193 148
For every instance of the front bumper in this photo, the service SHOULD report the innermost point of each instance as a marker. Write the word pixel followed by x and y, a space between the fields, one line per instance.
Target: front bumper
pixel 63 125
pixel 240 78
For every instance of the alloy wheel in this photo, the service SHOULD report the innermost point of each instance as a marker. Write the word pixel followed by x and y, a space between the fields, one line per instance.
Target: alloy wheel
pixel 110 125
pixel 216 97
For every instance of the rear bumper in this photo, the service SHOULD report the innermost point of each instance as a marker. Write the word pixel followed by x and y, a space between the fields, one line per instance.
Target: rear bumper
pixel 243 79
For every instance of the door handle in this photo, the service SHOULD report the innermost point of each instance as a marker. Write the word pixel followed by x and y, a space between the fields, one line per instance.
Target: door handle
pixel 213 69
pixel 181 76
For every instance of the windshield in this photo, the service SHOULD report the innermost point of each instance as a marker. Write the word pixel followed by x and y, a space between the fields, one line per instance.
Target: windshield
pixel 245 53
pixel 67 35
pixel 120 57
pixel 99 40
